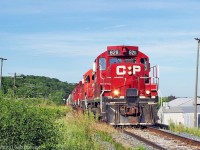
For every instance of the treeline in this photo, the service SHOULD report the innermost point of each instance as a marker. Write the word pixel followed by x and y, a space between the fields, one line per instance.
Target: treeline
pixel 36 87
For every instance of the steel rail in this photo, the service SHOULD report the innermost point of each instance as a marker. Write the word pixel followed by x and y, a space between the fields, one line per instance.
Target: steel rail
pixel 174 136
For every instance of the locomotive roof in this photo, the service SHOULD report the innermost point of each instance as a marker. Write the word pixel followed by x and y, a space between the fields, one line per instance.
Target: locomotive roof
pixel 122 51
pixel 121 47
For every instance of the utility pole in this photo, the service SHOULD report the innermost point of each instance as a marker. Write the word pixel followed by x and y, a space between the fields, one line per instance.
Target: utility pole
pixel 196 84
pixel 14 82
pixel 2 59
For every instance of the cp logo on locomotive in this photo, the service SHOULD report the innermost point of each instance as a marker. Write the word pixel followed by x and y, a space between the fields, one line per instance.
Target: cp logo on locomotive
pixel 122 70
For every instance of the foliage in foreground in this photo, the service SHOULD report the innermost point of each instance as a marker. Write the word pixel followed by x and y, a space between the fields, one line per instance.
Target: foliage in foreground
pixel 83 132
pixel 24 126
pixel 38 124
pixel 181 128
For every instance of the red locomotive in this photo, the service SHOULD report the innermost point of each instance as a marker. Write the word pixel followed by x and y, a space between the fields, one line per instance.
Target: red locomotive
pixel 120 88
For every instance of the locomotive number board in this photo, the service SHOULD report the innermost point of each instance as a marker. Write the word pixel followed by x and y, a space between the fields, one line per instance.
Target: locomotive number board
pixel 113 52
pixel 132 52
pixel 117 52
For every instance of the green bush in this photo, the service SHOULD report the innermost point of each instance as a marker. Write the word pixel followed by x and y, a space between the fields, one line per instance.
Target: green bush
pixel 24 126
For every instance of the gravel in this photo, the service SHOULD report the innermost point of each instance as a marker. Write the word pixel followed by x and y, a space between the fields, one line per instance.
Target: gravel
pixel 170 144
pixel 128 141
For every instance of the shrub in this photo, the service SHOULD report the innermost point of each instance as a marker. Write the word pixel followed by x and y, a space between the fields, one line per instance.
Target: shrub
pixel 25 126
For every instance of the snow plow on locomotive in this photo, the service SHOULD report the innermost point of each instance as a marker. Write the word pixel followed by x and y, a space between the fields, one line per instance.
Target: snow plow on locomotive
pixel 120 88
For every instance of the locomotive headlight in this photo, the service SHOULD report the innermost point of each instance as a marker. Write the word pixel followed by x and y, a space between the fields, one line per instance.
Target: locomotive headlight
pixel 147 92
pixel 116 92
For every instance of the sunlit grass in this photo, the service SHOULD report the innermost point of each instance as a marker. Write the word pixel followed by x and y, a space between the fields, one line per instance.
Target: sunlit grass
pixel 85 132
pixel 181 128
pixel 78 132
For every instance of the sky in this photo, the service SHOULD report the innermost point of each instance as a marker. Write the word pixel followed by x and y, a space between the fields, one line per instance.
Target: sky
pixel 61 38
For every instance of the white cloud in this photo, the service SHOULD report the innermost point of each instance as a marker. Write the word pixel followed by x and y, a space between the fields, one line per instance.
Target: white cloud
pixel 91 44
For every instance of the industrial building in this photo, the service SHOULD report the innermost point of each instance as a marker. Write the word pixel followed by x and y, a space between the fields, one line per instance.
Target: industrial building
pixel 179 111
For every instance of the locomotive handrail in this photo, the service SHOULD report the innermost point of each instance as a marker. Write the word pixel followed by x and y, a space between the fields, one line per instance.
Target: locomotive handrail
pixel 101 97
pixel 101 75
pixel 157 79
pixel 155 72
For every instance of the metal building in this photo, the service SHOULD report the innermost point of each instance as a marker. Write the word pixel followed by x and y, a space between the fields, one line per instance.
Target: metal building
pixel 179 111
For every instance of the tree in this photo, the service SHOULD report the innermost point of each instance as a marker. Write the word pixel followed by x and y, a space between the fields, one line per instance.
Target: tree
pixel 37 87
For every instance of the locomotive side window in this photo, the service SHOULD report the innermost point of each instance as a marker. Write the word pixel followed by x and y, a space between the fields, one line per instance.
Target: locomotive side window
pixel 102 63
pixel 87 79
pixel 93 77
pixel 144 61
pixel 115 60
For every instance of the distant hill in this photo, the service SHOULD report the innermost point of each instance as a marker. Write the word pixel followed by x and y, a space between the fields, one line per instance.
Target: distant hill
pixel 36 87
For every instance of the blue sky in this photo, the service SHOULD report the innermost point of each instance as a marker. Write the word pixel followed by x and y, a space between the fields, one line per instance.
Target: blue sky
pixel 61 38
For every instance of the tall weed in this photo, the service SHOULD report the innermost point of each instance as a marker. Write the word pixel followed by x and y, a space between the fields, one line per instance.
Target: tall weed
pixel 83 132
pixel 181 128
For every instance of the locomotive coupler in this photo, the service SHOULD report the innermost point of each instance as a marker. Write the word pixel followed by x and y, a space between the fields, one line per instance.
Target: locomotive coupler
pixel 129 111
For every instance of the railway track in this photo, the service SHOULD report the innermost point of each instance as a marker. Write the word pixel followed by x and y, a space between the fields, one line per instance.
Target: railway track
pixel 144 140
pixel 175 136
pixel 162 140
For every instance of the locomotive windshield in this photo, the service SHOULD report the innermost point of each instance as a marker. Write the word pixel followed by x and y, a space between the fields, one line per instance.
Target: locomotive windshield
pixel 120 60
pixel 133 60
pixel 115 60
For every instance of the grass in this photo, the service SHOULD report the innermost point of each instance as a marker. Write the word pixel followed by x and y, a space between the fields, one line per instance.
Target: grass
pixel 182 128
pixel 83 132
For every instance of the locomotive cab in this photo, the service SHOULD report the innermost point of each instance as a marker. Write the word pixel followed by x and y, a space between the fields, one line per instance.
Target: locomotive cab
pixel 123 67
